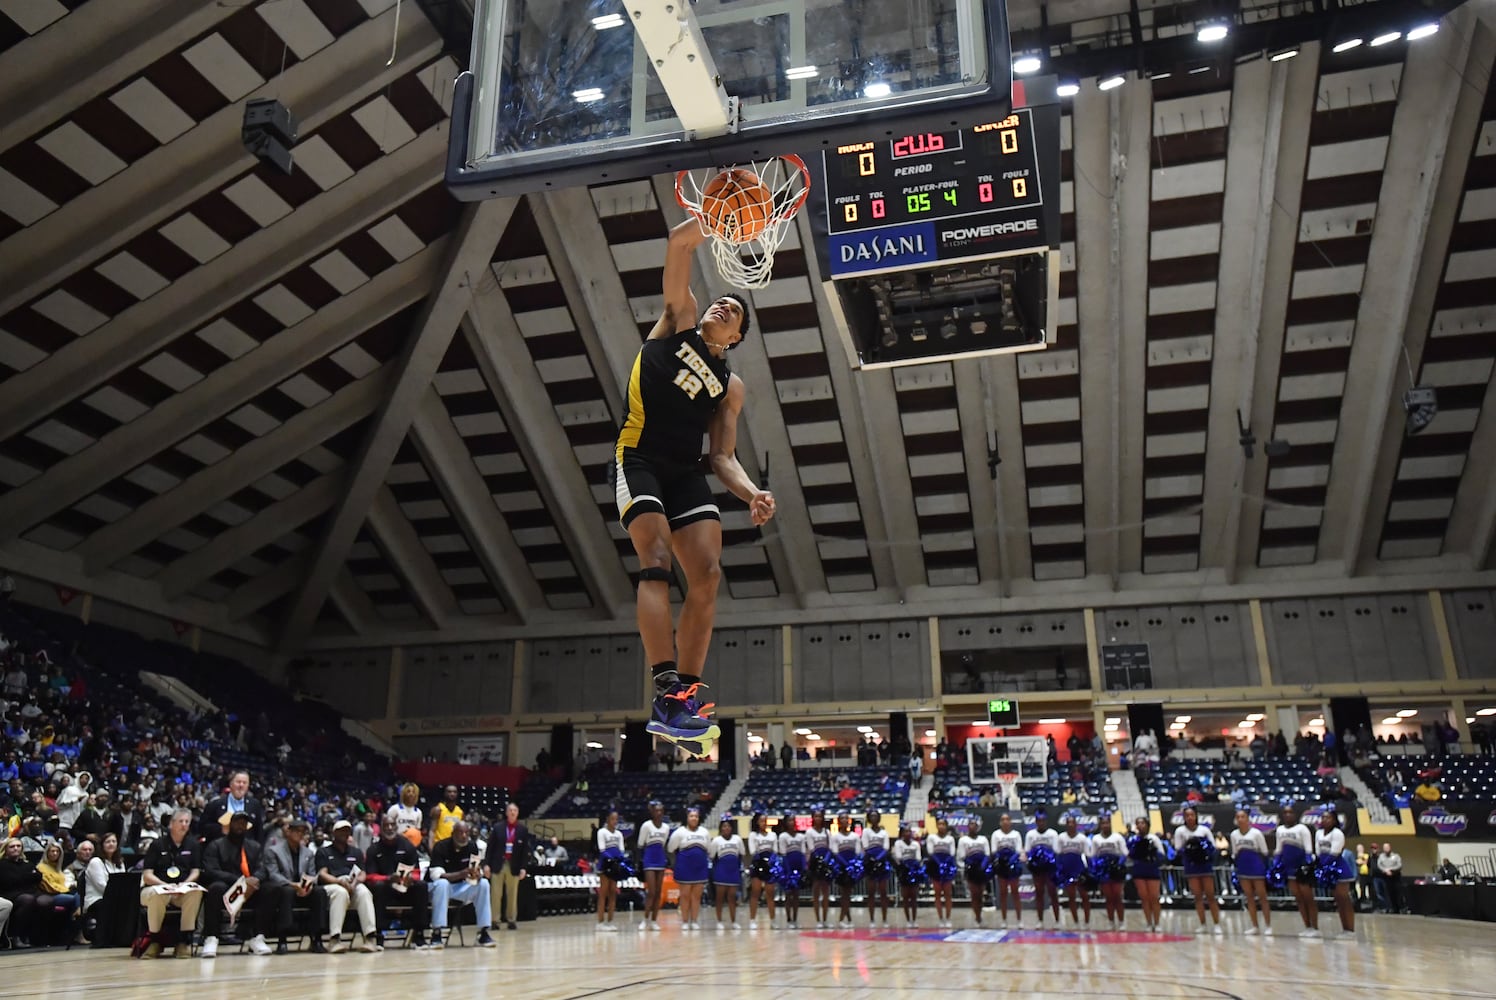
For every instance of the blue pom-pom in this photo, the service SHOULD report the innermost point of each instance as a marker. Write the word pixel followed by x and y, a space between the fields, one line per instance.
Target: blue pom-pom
pixel 1276 877
pixel 1327 871
pixel 616 868
pixel 1006 865
pixel 1198 852
pixel 765 868
pixel 1108 868
pixel 977 868
pixel 912 872
pixel 824 867
pixel 942 868
pixel 791 879
pixel 850 870
pixel 1042 860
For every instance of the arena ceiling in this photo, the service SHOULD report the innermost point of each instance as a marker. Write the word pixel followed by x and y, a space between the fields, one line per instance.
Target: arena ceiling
pixel 337 407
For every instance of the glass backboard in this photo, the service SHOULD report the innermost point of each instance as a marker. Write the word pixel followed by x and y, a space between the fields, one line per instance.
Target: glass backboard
pixel 565 92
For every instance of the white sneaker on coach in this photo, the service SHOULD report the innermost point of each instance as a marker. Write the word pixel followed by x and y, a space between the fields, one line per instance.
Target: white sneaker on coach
pixel 258 945
pixel 209 948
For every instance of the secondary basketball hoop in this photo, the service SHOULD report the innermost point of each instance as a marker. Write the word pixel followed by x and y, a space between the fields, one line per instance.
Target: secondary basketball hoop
pixel 1008 784
pixel 745 211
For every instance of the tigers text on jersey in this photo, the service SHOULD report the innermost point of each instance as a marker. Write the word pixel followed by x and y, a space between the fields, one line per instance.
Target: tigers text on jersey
pixel 674 389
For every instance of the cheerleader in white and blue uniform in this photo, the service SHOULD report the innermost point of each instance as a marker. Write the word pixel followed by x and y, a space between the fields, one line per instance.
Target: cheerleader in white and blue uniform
pixel 690 846
pixel 846 846
pixel 1074 856
pixel 1197 850
pixel 940 848
pixel 727 871
pixel 1329 852
pixel 1044 883
pixel 791 868
pixel 763 870
pixel 1145 853
pixel 610 844
pixel 1109 864
pixel 971 850
pixel 1293 845
pixel 1007 869
pixel 654 835
pixel 906 852
pixel 875 864
pixel 820 861
pixel 1249 854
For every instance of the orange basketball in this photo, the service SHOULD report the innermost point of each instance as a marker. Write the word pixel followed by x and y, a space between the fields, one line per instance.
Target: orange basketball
pixel 737 205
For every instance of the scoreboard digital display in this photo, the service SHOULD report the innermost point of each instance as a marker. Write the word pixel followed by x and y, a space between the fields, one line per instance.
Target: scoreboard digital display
pixel 928 197
pixel 1002 713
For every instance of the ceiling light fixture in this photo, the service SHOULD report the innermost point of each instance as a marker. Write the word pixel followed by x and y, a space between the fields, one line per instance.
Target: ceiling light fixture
pixel 879 89
pixel 1347 45
pixel 1407 713
pixel 1027 64
pixel 1386 39
pixel 864 729
pixel 1212 32
pixel 1067 90
pixel 588 95
pixel 804 732
pixel 1423 31
pixel 801 72
pixel 1486 711
pixel 929 732
pixel 1051 722
pixel 1392 721
pixel 1110 83
pixel 1256 717
pixel 1285 54
pixel 607 21
pixel 813 736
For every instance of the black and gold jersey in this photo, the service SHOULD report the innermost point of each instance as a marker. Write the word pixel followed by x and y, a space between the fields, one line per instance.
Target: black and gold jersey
pixel 674 388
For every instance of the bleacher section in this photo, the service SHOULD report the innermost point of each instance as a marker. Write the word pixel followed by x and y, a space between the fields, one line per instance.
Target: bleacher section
pixel 1461 776
pixel 630 793
pixel 799 790
pixel 1275 779
pixel 956 790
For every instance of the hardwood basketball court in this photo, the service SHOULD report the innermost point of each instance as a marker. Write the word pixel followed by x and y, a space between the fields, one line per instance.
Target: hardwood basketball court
pixel 563 957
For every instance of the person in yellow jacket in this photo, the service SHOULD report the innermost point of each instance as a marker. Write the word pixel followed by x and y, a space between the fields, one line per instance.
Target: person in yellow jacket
pixel 444 816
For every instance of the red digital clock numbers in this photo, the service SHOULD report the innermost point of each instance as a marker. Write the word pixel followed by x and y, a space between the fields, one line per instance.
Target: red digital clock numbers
pixel 918 145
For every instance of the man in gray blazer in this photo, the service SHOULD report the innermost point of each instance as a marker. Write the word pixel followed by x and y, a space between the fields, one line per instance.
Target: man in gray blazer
pixel 288 877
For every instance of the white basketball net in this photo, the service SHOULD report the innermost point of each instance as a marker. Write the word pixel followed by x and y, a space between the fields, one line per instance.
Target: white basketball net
pixel 748 261
pixel 1008 784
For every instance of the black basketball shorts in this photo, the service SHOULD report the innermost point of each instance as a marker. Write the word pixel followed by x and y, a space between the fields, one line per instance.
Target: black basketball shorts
pixel 644 484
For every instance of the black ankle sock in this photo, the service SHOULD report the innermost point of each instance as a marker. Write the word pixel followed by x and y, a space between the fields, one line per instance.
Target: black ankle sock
pixel 688 679
pixel 664 675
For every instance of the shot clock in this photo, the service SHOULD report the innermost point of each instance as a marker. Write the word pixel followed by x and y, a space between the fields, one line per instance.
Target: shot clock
pixel 1002 713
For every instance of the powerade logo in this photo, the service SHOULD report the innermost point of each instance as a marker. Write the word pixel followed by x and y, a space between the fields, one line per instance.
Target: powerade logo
pixel 1444 822
pixel 894 246
pixel 988 231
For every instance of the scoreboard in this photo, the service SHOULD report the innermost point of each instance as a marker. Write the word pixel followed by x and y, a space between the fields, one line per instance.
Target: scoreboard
pixel 933 197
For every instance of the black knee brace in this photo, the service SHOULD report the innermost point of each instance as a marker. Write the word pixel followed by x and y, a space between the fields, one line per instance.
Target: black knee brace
pixel 654 573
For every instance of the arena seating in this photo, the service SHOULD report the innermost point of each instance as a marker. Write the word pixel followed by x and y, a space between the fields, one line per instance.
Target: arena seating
pixel 1273 778
pixel 1461 776
pixel 798 790
pixel 630 792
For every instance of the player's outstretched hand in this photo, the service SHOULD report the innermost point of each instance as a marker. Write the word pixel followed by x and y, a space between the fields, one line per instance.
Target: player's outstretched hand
pixel 761 507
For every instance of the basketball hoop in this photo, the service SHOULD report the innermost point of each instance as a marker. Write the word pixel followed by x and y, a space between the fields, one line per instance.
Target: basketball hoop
pixel 745 254
pixel 1008 783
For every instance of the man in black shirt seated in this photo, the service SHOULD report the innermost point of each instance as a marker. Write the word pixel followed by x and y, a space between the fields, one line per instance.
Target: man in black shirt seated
pixel 170 877
pixel 456 876
pixel 225 861
pixel 340 870
pixel 393 887
pixel 288 873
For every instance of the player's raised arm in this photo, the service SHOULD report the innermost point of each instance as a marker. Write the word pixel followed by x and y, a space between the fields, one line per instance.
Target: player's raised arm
pixel 680 302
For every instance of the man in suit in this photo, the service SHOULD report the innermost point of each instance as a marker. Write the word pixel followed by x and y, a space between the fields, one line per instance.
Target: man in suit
pixel 508 847
pixel 225 861
pixel 216 815
pixel 288 876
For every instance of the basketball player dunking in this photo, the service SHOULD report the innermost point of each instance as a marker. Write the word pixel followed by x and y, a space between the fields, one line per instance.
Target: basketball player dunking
pixel 680 388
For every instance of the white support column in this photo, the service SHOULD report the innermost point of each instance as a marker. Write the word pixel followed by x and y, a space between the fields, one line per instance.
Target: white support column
pixel 986 516
pixel 162 183
pixel 53 73
pixel 1271 107
pixel 248 537
pixel 506 367
pixel 472 504
pixel 478 233
pixel 148 326
pixel 1437 116
pixel 224 478
pixel 220 392
pixel 402 546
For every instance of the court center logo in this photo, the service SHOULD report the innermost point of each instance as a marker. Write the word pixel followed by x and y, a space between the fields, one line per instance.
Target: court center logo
pixel 1444 822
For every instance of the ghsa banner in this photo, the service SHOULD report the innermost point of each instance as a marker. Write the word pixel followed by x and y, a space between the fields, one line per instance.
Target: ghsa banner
pixel 1456 819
